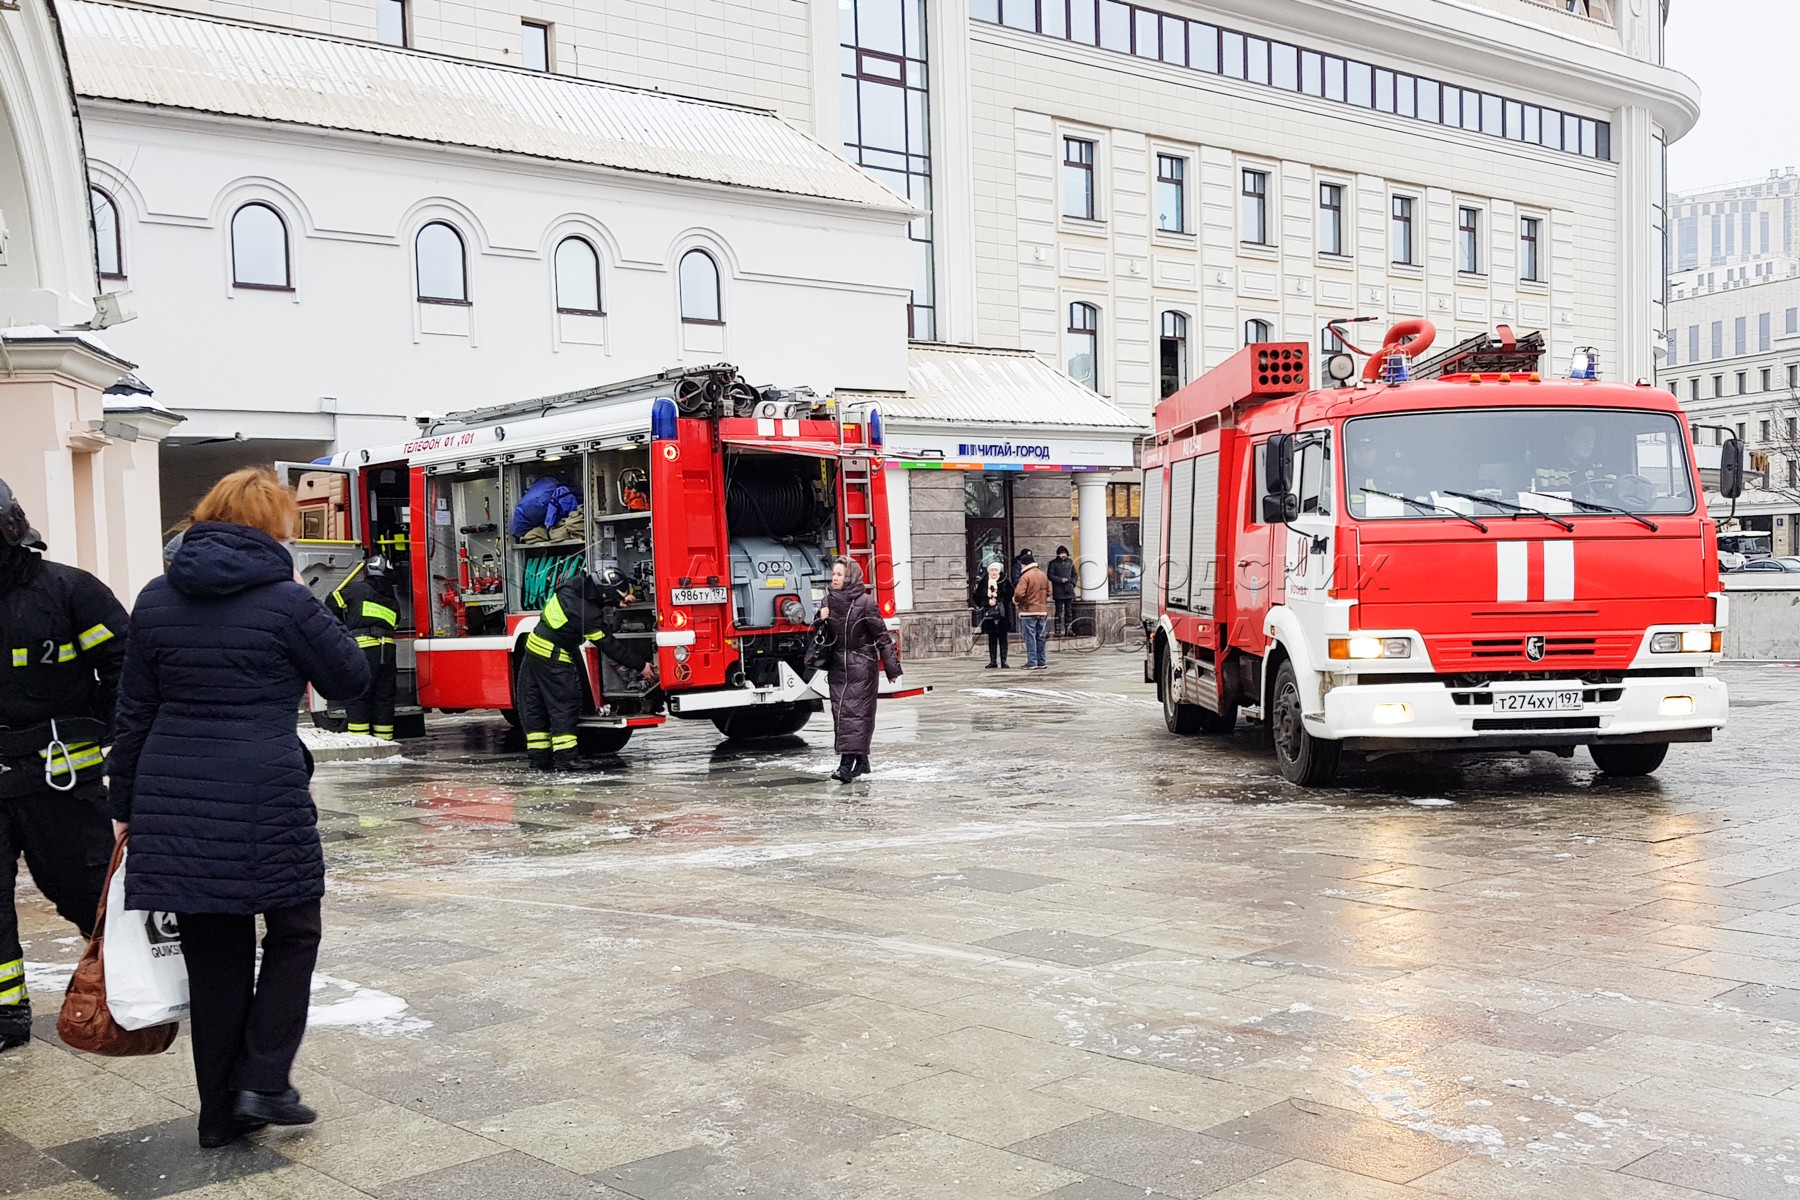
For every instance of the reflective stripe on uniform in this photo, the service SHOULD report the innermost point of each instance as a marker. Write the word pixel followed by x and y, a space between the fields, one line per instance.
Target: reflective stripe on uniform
pixel 93 637
pixel 537 741
pixel 385 732
pixel 12 982
pixel 21 658
pixel 563 741
pixel 356 727
pixel 81 756
pixel 369 643
pixel 65 652
pixel 596 635
pixel 545 648
pixel 380 612
pixel 554 616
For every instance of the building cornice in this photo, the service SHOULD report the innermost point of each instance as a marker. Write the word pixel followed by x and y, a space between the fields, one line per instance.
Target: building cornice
pixel 65 355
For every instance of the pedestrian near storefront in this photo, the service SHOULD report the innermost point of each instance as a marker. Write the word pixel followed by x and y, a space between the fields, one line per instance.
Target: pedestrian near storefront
pixel 1061 573
pixel 62 633
pixel 1031 596
pixel 209 775
pixel 860 650
pixel 992 601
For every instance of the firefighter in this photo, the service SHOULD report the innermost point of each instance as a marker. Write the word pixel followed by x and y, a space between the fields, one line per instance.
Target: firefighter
pixel 548 689
pixel 368 605
pixel 62 633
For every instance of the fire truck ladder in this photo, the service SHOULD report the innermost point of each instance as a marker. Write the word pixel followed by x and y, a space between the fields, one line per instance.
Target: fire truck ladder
pixel 856 504
pixel 1495 353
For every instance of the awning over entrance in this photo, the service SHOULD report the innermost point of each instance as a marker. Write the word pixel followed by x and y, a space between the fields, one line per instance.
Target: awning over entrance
pixel 975 408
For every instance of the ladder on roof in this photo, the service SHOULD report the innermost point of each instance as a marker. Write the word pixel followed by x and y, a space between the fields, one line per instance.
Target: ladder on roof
pixel 1500 352
pixel 856 504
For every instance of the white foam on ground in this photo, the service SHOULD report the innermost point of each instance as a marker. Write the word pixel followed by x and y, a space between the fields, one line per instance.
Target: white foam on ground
pixel 342 1004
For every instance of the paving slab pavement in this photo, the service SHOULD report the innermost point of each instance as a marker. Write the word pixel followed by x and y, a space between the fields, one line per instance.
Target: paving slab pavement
pixel 1047 950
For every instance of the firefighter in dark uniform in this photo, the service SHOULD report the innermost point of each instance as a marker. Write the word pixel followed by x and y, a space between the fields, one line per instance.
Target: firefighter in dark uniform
pixel 62 633
pixel 368 605
pixel 548 689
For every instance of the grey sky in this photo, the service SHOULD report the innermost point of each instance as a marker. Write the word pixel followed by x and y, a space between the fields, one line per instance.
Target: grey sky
pixel 1734 52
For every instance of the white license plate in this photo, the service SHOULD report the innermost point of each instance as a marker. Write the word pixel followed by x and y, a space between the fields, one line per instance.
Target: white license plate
pixel 705 595
pixel 1537 701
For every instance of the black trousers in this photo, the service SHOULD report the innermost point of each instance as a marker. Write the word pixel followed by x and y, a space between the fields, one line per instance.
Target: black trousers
pixel 247 1025
pixel 549 698
pixel 373 711
pixel 996 644
pixel 66 840
pixel 1065 615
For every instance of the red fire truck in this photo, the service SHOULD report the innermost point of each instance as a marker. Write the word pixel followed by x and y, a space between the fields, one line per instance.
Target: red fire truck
pixel 1474 559
pixel 723 501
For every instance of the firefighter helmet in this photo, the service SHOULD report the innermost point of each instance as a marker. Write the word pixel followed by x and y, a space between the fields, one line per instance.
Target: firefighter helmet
pixel 634 489
pixel 377 566
pixel 15 529
pixel 610 583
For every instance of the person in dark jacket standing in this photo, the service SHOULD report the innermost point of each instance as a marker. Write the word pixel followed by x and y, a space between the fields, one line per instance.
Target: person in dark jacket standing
pixel 992 600
pixel 548 688
pixel 1062 589
pixel 62 633
pixel 860 647
pixel 209 774
pixel 369 606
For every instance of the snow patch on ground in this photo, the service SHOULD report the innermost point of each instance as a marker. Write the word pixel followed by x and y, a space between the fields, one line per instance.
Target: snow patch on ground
pixel 342 1004
pixel 48 979
pixel 314 738
pixel 1430 802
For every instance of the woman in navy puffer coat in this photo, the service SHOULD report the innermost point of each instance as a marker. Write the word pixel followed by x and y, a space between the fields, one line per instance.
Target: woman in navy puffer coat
pixel 209 774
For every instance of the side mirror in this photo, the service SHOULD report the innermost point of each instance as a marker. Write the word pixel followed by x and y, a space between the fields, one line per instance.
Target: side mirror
pixel 1280 508
pixel 1278 463
pixel 1731 469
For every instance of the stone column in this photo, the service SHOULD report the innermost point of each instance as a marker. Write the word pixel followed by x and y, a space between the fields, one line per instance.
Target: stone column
pixel 1090 498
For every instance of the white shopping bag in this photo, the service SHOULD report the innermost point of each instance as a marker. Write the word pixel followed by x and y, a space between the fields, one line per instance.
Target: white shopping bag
pixel 146 976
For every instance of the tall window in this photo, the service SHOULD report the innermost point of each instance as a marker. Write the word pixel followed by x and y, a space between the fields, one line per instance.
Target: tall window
pixel 1172 372
pixel 1331 218
pixel 1258 330
pixel 1081 345
pixel 1253 210
pixel 1740 335
pixel 1078 178
pixel 1171 193
pixel 1767 375
pixel 887 122
pixel 1693 389
pixel 534 45
pixel 443 265
pixel 577 278
pixel 1762 433
pixel 390 22
pixel 1401 231
pixel 1530 260
pixel 700 289
pixel 109 253
pixel 1468 240
pixel 259 248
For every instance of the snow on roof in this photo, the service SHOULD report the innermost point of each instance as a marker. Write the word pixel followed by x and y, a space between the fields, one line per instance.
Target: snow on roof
pixel 179 61
pixel 983 386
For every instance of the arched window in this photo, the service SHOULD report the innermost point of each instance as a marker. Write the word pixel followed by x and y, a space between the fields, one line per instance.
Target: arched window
pixel 109 251
pixel 1173 348
pixel 442 265
pixel 259 248
pixel 700 289
pixel 1258 330
pixel 1081 345
pixel 577 277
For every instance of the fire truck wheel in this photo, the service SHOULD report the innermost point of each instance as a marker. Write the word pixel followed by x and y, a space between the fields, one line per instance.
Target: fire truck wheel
pixel 1640 759
pixel 1303 758
pixel 602 741
pixel 753 724
pixel 1181 718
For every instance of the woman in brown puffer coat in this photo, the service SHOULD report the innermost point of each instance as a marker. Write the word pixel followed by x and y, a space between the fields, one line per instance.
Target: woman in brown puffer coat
pixel 860 647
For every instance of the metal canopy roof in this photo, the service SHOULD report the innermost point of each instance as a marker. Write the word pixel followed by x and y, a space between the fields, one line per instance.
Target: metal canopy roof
pixel 974 385
pixel 204 65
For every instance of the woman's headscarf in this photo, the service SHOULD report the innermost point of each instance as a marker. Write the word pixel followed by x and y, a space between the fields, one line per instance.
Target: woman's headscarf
pixel 853 572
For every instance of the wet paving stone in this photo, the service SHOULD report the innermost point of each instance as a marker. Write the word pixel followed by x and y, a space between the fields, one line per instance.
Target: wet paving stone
pixel 1047 949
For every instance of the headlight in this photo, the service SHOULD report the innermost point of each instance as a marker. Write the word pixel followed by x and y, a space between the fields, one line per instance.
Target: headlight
pixel 1370 647
pixel 1687 641
pixel 680 653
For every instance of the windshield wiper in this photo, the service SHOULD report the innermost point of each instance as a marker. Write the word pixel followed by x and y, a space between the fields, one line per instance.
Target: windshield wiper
pixel 1595 506
pixel 1427 505
pixel 1517 510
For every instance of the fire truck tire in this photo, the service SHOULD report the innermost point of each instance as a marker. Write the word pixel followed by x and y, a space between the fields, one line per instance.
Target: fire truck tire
pixel 602 741
pixel 1304 759
pixel 753 724
pixel 1635 759
pixel 1183 719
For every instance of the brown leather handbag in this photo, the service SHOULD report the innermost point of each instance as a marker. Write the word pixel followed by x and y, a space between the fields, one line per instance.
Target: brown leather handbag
pixel 85 1022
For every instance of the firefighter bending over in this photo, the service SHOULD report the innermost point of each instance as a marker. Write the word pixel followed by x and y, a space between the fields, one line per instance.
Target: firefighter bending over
pixel 548 689
pixel 62 635
pixel 368 605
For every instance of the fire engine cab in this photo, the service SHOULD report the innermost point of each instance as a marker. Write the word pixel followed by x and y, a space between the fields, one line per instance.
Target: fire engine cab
pixel 1448 555
pixel 724 504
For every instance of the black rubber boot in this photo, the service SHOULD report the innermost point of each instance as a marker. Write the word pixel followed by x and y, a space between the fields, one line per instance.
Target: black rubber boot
pixel 15 1024
pixel 846 768
pixel 541 760
pixel 859 765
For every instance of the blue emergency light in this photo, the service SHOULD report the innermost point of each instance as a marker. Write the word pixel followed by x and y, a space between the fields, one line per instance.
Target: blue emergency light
pixel 662 420
pixel 1394 369
pixel 874 427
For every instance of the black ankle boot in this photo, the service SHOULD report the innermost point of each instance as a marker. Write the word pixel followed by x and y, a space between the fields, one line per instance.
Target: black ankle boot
pixel 846 768
pixel 859 765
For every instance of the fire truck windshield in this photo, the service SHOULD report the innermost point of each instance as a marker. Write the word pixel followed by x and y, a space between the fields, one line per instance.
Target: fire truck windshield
pixel 1573 462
